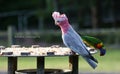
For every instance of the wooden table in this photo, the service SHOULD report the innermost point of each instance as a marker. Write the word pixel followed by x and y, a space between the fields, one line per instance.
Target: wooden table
pixel 40 53
pixel 12 63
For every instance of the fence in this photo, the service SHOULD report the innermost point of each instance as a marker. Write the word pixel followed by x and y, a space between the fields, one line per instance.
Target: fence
pixel 28 38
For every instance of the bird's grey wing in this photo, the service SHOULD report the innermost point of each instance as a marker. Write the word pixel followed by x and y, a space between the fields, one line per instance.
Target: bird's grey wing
pixel 75 44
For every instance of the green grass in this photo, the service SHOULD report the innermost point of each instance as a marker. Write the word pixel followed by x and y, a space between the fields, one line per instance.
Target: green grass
pixel 108 63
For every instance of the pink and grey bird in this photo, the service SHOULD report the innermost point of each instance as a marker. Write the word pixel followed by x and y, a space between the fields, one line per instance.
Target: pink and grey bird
pixel 72 39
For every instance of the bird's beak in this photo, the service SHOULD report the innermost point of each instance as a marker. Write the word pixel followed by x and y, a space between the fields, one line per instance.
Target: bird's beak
pixel 56 22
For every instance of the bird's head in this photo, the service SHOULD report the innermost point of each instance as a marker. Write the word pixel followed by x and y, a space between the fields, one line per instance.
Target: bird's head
pixel 59 19
pixel 102 50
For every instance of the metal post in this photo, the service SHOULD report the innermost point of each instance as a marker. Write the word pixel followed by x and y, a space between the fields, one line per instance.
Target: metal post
pixel 73 64
pixel 12 65
pixel 40 65
pixel 11 30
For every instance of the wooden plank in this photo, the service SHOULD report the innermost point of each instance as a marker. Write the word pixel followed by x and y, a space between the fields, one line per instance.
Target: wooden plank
pixel 40 65
pixel 73 64
pixel 12 65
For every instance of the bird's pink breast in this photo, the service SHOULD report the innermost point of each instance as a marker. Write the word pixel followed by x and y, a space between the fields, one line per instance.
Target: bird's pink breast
pixel 64 28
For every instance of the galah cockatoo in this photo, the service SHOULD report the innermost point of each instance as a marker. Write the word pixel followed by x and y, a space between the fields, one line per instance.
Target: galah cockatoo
pixel 72 40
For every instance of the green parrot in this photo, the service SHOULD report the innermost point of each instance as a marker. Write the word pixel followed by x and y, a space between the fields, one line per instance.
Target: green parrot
pixel 94 43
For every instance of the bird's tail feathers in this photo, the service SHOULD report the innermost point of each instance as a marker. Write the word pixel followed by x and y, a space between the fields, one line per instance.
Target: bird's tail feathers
pixel 91 61
pixel 92 58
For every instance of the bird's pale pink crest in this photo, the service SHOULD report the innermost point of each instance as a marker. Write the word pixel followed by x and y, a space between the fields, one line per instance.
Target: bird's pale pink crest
pixel 59 17
pixel 61 20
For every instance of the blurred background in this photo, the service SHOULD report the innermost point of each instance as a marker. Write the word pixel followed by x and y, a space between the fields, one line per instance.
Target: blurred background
pixel 29 22
pixel 33 24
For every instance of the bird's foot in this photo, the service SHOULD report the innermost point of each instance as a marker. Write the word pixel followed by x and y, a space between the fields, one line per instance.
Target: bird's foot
pixel 73 53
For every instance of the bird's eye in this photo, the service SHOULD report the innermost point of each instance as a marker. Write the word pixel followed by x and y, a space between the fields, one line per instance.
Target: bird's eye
pixel 57 21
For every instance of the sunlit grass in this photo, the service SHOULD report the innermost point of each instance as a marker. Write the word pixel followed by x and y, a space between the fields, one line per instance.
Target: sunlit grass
pixel 108 63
